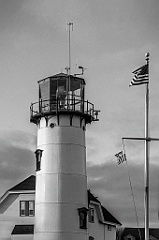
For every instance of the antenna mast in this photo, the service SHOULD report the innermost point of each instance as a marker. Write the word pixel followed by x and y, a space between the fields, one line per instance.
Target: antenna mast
pixel 70 27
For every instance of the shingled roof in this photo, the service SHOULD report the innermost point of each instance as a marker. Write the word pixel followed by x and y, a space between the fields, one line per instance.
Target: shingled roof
pixel 27 184
pixel 91 197
pixel 23 229
pixel 108 217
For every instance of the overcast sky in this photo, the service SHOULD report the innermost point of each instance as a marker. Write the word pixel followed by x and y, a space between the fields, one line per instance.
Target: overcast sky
pixel 110 39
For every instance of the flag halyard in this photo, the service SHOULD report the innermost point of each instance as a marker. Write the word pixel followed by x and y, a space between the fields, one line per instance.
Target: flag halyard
pixel 140 76
pixel 121 157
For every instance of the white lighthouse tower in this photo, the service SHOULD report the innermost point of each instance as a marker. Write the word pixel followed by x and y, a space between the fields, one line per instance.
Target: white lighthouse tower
pixel 61 115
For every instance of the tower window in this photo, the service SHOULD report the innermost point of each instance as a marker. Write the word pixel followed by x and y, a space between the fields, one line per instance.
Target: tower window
pixel 38 155
pixel 91 215
pixel 27 208
pixel 82 217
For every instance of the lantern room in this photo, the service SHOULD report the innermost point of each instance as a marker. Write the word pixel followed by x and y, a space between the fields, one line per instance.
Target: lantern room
pixel 62 94
pixel 62 89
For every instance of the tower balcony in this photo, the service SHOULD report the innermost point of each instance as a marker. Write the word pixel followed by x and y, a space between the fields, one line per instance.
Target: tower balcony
pixel 61 105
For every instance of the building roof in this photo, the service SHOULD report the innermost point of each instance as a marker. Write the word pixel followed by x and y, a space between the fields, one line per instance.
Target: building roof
pixel 91 197
pixel 135 232
pixel 108 217
pixel 62 75
pixel 27 184
pixel 23 229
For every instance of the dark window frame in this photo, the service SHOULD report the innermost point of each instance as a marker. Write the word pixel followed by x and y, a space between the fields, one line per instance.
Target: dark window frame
pixel 91 215
pixel 38 155
pixel 26 212
pixel 82 212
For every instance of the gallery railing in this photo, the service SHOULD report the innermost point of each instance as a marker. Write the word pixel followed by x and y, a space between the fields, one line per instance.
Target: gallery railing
pixel 57 105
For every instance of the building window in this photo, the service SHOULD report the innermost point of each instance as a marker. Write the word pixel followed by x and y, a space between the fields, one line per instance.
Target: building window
pixel 91 215
pixel 27 208
pixel 82 217
pixel 109 227
pixel 38 155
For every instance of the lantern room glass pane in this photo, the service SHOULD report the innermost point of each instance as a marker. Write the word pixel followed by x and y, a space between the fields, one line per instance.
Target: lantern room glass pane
pixel 44 94
pixel 53 94
pixel 53 88
pixel 44 91
pixel 77 88
pixel 75 83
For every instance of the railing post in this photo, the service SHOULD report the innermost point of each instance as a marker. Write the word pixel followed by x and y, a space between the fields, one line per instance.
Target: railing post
pixel 74 104
pixel 31 110
pixel 40 106
pixel 92 110
pixel 57 103
pixel 82 106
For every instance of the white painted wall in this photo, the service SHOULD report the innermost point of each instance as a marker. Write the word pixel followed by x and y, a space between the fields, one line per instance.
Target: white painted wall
pixel 61 184
pixel 98 230
pixel 11 216
pixel 20 237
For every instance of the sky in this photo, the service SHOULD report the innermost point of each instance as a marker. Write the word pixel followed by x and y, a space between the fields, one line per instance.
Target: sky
pixel 109 39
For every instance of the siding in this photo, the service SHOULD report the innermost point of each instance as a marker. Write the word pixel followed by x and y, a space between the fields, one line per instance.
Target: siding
pixel 10 217
pixel 98 230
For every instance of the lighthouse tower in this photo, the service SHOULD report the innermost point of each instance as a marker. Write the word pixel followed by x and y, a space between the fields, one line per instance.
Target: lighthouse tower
pixel 61 115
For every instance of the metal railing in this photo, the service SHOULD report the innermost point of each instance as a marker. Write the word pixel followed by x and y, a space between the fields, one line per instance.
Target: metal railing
pixel 61 105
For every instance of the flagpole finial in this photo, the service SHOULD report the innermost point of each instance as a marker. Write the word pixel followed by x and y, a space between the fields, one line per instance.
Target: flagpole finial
pixel 147 55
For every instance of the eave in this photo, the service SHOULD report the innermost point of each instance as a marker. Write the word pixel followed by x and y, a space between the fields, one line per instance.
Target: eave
pixel 8 193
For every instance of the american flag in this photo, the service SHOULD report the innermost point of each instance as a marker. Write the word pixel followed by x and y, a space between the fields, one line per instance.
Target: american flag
pixel 140 76
pixel 121 157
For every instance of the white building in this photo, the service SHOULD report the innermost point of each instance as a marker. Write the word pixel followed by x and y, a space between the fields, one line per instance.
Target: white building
pixel 17 211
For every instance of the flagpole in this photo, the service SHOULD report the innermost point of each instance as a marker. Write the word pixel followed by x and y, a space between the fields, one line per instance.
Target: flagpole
pixel 147 155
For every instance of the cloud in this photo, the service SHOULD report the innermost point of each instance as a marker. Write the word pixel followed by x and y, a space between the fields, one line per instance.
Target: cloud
pixel 110 183
pixel 17 158
pixel 92 147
